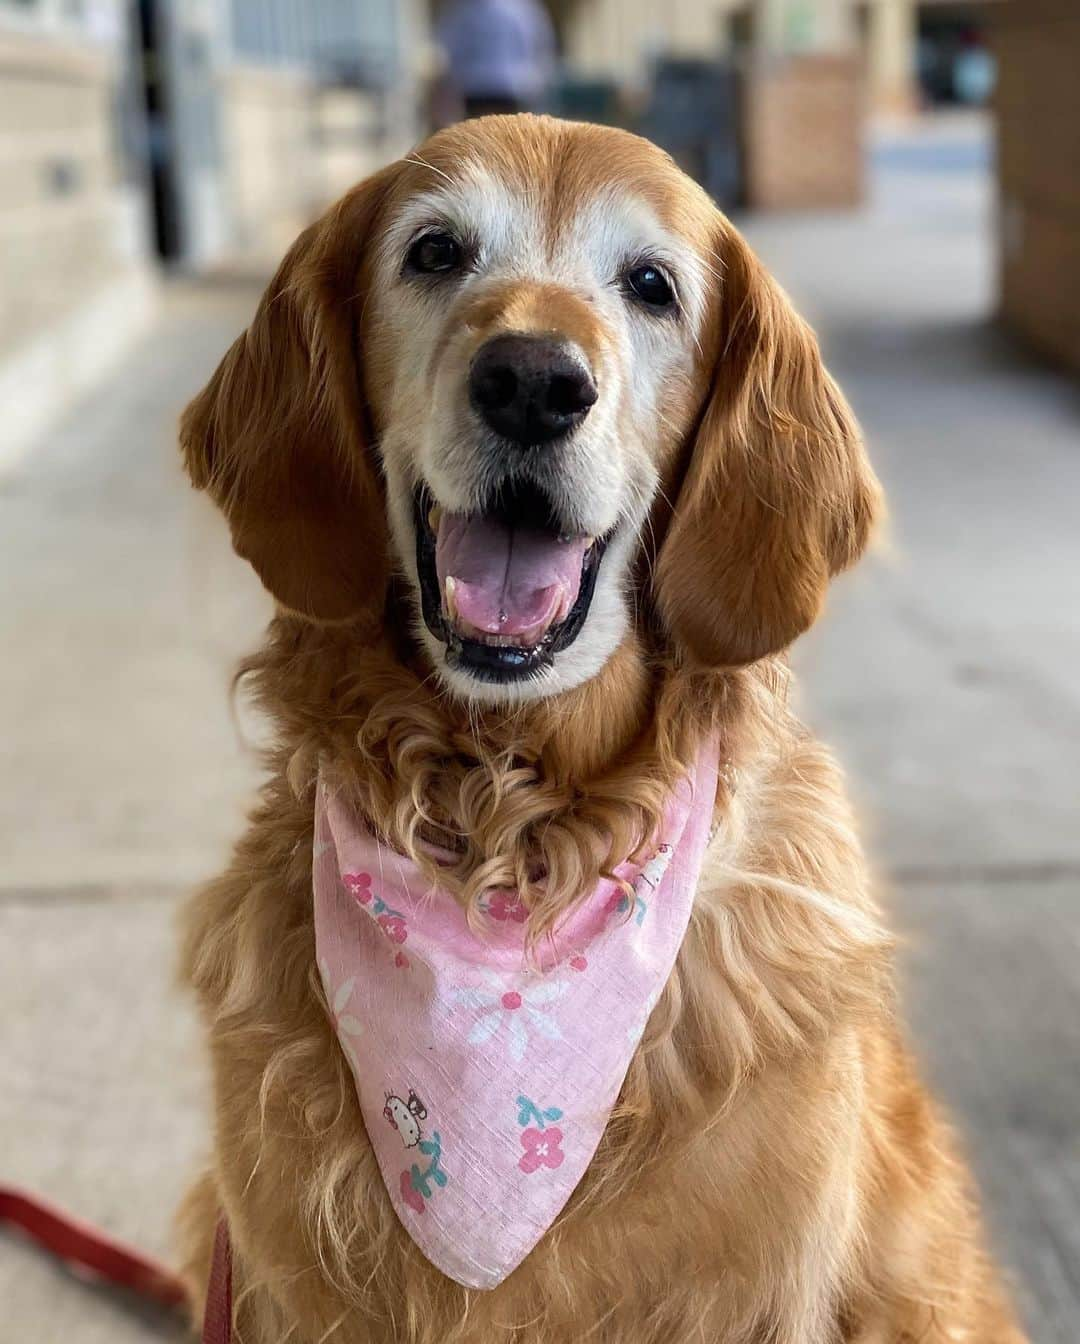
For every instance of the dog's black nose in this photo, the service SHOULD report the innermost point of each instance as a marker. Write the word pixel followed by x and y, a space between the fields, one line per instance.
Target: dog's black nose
pixel 530 389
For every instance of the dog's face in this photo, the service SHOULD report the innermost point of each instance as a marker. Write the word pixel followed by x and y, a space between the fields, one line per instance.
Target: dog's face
pixel 535 316
pixel 535 372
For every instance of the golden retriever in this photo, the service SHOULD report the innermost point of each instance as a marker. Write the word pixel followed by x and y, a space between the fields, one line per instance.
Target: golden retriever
pixel 534 324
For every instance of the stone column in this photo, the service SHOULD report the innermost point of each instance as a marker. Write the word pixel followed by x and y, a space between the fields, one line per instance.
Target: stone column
pixel 890 57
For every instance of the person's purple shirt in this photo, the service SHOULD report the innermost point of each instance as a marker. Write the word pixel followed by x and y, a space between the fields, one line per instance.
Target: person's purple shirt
pixel 498 48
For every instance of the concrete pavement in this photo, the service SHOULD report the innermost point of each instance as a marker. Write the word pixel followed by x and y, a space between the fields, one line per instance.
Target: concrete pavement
pixel 122 612
pixel 944 674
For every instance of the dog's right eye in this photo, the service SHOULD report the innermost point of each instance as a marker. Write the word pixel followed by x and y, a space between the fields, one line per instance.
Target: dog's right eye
pixel 434 254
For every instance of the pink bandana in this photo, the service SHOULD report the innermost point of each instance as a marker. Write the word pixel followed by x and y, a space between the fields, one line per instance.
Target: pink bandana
pixel 486 1081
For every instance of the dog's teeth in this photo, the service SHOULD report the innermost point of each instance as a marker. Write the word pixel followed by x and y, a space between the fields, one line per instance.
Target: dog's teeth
pixel 449 588
pixel 434 516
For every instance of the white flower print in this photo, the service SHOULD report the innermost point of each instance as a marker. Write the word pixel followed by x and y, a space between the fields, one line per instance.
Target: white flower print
pixel 345 1024
pixel 521 1006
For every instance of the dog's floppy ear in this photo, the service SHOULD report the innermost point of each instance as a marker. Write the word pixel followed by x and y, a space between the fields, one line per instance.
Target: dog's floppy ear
pixel 280 437
pixel 777 495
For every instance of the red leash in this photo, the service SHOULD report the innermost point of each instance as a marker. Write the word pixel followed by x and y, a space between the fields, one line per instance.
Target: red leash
pixel 99 1258
pixel 217 1321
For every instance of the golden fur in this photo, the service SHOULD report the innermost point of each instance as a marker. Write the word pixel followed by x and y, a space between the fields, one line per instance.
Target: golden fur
pixel 774 1172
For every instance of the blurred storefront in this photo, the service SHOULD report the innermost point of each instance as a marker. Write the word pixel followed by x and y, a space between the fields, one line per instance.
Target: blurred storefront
pixel 196 133
pixel 785 78
pixel 908 52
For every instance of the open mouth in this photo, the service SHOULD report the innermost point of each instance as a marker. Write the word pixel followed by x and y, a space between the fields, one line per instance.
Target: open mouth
pixel 504 588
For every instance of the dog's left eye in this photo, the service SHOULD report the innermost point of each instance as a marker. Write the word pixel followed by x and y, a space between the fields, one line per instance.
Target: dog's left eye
pixel 434 254
pixel 651 286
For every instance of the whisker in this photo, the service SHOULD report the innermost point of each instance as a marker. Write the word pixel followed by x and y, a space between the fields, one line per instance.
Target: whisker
pixel 420 162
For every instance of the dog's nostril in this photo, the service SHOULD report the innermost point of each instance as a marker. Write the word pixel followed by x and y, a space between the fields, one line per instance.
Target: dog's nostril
pixel 569 394
pixel 495 388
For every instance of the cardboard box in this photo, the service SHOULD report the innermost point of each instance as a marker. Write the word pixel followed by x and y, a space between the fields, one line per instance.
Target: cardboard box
pixel 802 120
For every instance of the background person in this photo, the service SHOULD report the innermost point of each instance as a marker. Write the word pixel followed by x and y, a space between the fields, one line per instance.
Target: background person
pixel 500 53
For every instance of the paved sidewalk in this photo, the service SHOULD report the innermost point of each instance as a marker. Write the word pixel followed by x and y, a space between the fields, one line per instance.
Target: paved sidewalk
pixel 122 611
pixel 944 674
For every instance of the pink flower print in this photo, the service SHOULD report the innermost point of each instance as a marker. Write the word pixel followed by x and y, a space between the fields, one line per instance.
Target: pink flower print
pixel 359 884
pixel 394 927
pixel 410 1194
pixel 506 905
pixel 347 1027
pixel 542 1149
pixel 392 922
pixel 513 1009
pixel 401 961
pixel 578 963
pixel 419 1184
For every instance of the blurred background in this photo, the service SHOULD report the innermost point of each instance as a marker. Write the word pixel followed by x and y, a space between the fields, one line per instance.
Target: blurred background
pixel 911 172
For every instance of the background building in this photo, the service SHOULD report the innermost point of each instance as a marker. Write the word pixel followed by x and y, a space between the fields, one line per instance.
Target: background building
pixel 908 51
pixel 205 133
pixel 196 133
pixel 806 75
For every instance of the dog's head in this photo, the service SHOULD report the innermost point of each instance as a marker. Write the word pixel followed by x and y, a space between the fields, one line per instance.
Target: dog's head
pixel 535 371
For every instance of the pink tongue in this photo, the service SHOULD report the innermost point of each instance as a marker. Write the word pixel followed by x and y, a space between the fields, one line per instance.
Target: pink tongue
pixel 507 581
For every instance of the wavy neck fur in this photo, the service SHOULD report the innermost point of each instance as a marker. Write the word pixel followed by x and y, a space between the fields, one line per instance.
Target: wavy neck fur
pixel 545 798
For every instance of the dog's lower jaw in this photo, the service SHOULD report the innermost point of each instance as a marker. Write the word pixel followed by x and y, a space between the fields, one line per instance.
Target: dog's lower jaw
pixel 603 630
pixel 520 565
pixel 603 633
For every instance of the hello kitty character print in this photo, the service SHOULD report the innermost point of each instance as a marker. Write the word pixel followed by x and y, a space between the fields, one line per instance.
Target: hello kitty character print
pixel 405 1116
pixel 653 873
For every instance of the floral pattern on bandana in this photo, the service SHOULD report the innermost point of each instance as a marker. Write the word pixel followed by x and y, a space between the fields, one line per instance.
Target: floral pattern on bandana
pixel 419 1185
pixel 513 1009
pixel 505 905
pixel 391 922
pixel 517 1051
pixel 541 1139
pixel 345 1024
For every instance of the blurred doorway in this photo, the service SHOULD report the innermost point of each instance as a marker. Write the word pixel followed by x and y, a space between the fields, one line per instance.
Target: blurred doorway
pixel 162 168
pixel 953 61
pixel 181 50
